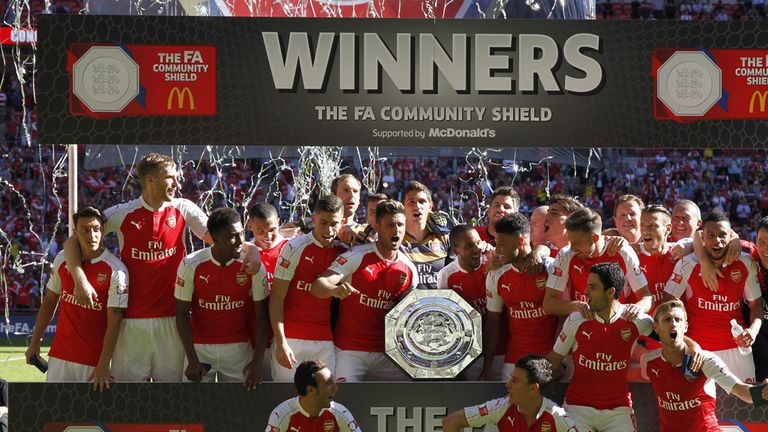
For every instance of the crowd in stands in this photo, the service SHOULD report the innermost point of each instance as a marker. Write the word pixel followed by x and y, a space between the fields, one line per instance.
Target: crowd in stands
pixel 684 10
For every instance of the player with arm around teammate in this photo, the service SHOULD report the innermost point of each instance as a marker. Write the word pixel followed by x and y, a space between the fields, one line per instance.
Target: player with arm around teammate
pixel 314 409
pixel 523 409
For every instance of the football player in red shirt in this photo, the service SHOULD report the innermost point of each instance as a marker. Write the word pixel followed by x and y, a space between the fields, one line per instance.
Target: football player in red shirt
pixel 150 231
pixel 524 409
pixel 504 201
pixel 686 220
pixel 710 312
pixel 212 287
pixel 560 207
pixel 686 402
pixel 314 409
pixel 602 354
pixel 626 217
pixel 86 335
pixel 301 322
pixel 369 280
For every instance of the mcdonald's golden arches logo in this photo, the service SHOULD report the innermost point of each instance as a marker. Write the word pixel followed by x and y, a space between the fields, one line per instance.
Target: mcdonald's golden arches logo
pixel 182 94
pixel 760 97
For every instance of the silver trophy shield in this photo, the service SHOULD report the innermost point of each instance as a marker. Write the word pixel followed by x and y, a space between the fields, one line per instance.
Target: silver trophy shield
pixel 433 334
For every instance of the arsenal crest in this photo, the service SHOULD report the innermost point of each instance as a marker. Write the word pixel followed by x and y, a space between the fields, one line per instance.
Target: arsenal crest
pixel 626 334
pixel 483 410
pixel 242 277
pixel 180 281
pixel 171 221
pixel 736 275
pixel 284 263
pixel 328 426
pixel 101 278
pixel 540 282
pixel 546 427
pixel 677 278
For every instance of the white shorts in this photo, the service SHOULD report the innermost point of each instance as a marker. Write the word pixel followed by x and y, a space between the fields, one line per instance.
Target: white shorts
pixel 303 350
pixel 355 366
pixel 473 371
pixel 148 349
pixel 743 366
pixel 227 361
pixel 66 371
pixel 588 419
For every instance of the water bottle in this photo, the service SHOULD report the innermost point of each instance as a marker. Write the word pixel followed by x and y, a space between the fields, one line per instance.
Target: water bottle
pixel 736 331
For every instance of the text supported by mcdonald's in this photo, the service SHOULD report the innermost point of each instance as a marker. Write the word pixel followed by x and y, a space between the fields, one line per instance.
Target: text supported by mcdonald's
pixel 744 84
pixel 177 80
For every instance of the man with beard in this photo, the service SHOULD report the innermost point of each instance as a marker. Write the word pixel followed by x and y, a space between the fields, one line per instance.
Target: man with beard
pixel 314 409
pixel 368 280
pixel 424 244
pixel 504 201
pixel 710 312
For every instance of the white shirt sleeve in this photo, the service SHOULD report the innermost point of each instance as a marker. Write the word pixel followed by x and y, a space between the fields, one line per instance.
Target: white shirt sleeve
pixel 567 338
pixel 644 324
pixel 54 281
pixel 752 286
pixel 714 368
pixel 558 279
pixel 495 302
pixel 185 281
pixel 195 218
pixel 487 413
pixel 442 277
pixel 289 258
pixel 259 284
pixel 344 418
pixel 346 263
pixel 118 284
pixel 635 277
pixel 678 282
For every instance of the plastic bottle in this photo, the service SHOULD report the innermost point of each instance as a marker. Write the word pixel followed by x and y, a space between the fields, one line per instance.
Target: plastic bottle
pixel 736 331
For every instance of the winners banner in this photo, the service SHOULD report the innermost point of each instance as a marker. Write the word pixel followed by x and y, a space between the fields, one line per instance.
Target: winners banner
pixel 525 83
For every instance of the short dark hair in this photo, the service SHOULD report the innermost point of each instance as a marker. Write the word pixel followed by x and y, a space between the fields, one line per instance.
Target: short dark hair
pixel 415 186
pixel 388 207
pixel 513 224
pixel 341 178
pixel 611 276
pixel 262 211
pixel 569 203
pixel 305 375
pixel 221 218
pixel 538 369
pixel 584 220
pixel 656 209
pixel 376 197
pixel 763 224
pixel 457 232
pixel 329 203
pixel 507 191
pixel 88 212
pixel 715 216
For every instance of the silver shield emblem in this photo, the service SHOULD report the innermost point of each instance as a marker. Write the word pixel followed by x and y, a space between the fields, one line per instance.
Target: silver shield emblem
pixel 433 334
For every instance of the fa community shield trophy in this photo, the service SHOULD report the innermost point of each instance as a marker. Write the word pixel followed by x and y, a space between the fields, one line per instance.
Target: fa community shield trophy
pixel 433 334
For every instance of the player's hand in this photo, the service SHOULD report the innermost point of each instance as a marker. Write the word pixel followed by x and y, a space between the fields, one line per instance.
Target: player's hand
pixel 344 290
pixel 614 244
pixel 195 371
pixel 346 234
pixel 583 309
pixel 746 338
pixel 533 264
pixel 33 350
pixel 285 356
pixel 732 251
pixel 251 261
pixel 85 294
pixel 631 312
pixel 558 372
pixel 709 274
pixel 290 230
pixel 486 247
pixel 252 374
pixel 101 378
pixel 765 389
pixel 494 261
pixel 677 252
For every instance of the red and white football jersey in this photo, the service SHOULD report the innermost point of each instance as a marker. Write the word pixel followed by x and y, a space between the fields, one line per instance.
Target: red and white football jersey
pixel 710 313
pixel 152 246
pixel 381 282
pixel 222 297
pixel 289 416
pixel 530 329
pixel 657 270
pixel 269 259
pixel 683 404
pixel 471 287
pixel 80 329
pixel 603 360
pixel 550 418
pixel 571 271
pixel 301 261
